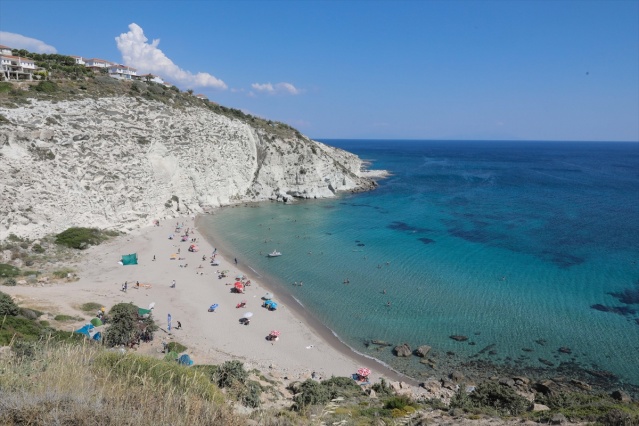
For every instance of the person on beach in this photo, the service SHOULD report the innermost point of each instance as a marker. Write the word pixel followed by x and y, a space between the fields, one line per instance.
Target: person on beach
pixel 179 325
pixel 124 287
pixel 173 284
pixel 236 260
pixel 154 258
pixel 137 284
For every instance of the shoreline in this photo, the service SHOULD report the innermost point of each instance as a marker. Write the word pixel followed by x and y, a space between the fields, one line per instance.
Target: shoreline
pixel 329 336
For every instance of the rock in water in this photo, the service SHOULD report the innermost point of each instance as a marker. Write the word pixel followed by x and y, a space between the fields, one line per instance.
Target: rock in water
pixel 422 351
pixel 403 350
pixel 459 338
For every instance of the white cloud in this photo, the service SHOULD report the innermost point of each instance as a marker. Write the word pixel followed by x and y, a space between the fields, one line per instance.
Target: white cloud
pixel 17 41
pixel 272 89
pixel 136 52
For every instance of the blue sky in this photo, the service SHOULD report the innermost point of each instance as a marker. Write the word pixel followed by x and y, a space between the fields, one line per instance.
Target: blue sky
pixel 532 70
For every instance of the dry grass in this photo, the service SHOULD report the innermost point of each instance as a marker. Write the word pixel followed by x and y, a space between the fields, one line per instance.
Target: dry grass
pixel 87 385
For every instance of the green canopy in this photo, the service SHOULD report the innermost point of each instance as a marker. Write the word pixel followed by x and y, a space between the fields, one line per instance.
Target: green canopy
pixel 171 356
pixel 142 312
pixel 130 259
pixel 96 322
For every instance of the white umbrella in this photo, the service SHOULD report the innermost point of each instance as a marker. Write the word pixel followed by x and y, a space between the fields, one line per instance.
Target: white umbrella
pixel 267 296
pixel 248 315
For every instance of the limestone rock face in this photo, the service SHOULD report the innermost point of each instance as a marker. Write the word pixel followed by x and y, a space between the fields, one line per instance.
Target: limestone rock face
pixel 121 162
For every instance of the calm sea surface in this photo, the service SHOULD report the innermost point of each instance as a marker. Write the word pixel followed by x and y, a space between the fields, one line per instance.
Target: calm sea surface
pixel 523 247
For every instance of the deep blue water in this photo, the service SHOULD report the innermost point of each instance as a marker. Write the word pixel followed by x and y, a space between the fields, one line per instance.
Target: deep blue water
pixel 523 247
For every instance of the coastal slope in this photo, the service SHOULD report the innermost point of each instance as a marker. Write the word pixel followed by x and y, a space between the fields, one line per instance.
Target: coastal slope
pixel 122 161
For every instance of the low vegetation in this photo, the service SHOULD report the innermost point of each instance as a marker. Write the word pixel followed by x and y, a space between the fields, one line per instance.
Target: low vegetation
pixel 81 238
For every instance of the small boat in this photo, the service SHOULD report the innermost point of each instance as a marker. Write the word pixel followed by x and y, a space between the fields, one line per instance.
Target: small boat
pixel 274 253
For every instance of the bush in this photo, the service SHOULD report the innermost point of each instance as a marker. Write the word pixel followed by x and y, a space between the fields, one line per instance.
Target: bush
pixel 8 306
pixel 90 307
pixel 250 393
pixel 175 347
pixel 342 387
pixel 229 373
pixel 37 248
pixel 399 402
pixel 5 87
pixel 490 396
pixel 63 317
pixel 62 273
pixel 125 326
pixel 80 238
pixel 11 282
pixel 46 87
pixel 8 271
pixel 310 393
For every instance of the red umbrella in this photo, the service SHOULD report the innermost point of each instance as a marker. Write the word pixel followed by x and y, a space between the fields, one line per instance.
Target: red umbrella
pixel 275 333
pixel 239 285
pixel 364 372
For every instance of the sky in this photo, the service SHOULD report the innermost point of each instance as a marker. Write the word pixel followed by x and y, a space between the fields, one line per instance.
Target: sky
pixel 372 69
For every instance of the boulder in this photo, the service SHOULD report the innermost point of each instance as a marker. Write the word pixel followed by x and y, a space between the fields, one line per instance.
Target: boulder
pixel 456 376
pixel 558 419
pixel 459 338
pixel 507 381
pixel 580 384
pixel 372 394
pixel 620 395
pixel 539 407
pixel 403 350
pixel 422 351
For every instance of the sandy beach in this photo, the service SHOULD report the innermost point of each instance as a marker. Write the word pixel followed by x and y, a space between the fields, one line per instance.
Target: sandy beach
pixel 211 337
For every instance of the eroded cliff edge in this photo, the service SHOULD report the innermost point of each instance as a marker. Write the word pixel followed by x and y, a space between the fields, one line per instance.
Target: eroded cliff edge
pixel 122 161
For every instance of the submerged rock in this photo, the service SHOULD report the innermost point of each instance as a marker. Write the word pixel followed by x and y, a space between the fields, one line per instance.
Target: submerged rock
pixel 459 337
pixel 422 351
pixel 403 350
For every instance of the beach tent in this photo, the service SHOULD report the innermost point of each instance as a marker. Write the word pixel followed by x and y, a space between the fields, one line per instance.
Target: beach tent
pixel 130 259
pixel 271 305
pixel 89 331
pixel 96 322
pixel 184 359
pixel 142 312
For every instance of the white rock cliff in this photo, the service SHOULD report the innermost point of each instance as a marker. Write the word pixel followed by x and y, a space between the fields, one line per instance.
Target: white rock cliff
pixel 120 162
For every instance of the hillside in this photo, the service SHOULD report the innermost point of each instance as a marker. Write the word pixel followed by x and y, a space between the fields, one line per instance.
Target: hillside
pixel 101 152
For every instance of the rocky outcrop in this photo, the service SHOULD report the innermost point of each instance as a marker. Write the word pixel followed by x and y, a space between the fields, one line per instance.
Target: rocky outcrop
pixel 123 161
pixel 402 350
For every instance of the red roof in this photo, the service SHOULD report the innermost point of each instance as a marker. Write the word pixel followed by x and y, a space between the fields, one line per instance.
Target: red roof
pixel 18 57
pixel 2 46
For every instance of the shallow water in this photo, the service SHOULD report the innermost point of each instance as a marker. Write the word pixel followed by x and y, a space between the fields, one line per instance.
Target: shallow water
pixel 509 244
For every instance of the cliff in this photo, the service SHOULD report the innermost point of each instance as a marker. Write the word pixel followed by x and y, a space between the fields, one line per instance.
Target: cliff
pixel 121 161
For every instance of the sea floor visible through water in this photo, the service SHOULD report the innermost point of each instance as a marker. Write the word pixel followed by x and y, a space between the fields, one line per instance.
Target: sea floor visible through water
pixel 526 253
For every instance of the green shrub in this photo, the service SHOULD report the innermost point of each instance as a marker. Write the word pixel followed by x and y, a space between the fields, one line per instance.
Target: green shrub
pixel 62 273
pixel 342 387
pixel 90 307
pixel 63 317
pixel 175 347
pixel 11 282
pixel 125 326
pixel 37 248
pixel 5 87
pixel 8 306
pixel 8 271
pixel 491 397
pixel 46 87
pixel 310 393
pixel 230 373
pixel 80 238
pixel 249 394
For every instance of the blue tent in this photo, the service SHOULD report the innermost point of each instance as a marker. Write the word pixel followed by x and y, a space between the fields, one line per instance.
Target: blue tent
pixel 271 305
pixel 184 359
pixel 89 331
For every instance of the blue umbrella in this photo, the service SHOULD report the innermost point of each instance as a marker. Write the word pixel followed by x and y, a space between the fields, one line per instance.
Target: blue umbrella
pixel 213 306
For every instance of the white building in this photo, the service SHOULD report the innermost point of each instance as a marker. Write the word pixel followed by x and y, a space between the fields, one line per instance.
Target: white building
pixel 97 64
pixel 79 60
pixel 5 50
pixel 16 67
pixel 150 77
pixel 122 72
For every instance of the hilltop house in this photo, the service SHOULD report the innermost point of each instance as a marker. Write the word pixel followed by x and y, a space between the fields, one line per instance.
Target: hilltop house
pixel 122 72
pixel 79 60
pixel 201 96
pixel 15 67
pixel 150 77
pixel 97 64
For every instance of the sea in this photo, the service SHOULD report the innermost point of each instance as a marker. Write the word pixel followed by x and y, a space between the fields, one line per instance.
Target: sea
pixel 513 256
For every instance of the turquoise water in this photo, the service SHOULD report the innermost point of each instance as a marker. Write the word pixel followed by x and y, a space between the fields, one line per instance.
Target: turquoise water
pixel 522 247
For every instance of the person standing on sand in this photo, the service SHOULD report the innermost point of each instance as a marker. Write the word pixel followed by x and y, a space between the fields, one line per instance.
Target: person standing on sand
pixel 173 284
pixel 236 260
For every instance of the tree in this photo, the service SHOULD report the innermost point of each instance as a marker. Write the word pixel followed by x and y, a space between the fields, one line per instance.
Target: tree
pixel 8 306
pixel 126 327
pixel 190 91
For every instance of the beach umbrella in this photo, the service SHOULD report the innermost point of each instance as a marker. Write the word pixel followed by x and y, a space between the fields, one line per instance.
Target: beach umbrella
pixel 364 372
pixel 239 277
pixel 267 296
pixel 239 286
pixel 247 315
pixel 213 306
pixel 275 333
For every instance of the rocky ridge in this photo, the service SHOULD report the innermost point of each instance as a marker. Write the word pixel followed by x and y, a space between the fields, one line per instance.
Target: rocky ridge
pixel 120 162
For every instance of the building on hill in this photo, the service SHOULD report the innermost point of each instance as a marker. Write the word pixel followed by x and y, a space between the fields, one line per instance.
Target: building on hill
pixel 5 50
pixel 97 65
pixel 201 96
pixel 79 60
pixel 122 72
pixel 150 77
pixel 16 67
